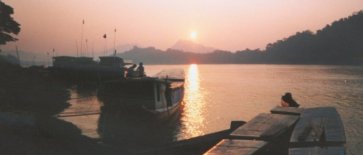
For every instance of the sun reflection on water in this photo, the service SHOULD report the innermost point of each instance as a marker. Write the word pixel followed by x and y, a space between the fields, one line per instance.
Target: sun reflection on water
pixel 193 118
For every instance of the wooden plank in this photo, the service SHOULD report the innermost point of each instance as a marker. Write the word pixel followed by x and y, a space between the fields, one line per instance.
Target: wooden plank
pixel 318 126
pixel 287 110
pixel 339 150
pixel 265 127
pixel 79 114
pixel 334 130
pixel 237 147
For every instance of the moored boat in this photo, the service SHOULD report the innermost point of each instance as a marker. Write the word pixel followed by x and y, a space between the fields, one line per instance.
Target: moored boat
pixel 157 96
pixel 85 68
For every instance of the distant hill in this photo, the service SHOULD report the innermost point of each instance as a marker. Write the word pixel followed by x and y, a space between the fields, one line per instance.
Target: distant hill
pixel 190 46
pixel 338 43
pixel 124 47
pixel 152 55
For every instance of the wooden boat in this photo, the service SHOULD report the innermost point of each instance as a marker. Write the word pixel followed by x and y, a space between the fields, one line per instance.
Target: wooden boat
pixel 287 130
pixel 111 67
pixel 160 96
pixel 85 68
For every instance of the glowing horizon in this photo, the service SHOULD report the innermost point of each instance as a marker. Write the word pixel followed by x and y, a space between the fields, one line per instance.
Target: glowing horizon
pixel 228 25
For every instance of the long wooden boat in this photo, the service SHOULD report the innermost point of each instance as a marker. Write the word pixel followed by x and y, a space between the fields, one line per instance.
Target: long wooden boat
pixel 85 68
pixel 156 96
pixel 287 130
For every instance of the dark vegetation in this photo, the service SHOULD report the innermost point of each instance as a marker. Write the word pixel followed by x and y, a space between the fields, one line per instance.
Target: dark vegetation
pixel 30 90
pixel 29 98
pixel 8 26
pixel 338 43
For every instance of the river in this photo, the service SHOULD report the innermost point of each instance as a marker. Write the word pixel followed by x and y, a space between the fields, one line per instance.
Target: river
pixel 217 94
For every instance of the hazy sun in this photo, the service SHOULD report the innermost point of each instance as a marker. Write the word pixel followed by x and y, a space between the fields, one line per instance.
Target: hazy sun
pixel 193 35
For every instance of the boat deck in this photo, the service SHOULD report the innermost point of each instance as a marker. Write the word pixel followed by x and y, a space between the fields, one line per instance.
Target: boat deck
pixel 293 131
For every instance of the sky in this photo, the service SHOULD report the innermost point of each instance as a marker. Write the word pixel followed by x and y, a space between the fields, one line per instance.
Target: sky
pixel 224 24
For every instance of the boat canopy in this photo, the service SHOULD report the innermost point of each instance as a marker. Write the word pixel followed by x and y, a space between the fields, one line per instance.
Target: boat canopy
pixel 62 61
pixel 112 61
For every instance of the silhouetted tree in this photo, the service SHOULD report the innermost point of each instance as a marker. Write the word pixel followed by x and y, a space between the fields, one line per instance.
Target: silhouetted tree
pixel 8 26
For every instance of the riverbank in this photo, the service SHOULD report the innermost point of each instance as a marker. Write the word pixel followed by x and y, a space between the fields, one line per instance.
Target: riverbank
pixel 29 100
pixel 48 136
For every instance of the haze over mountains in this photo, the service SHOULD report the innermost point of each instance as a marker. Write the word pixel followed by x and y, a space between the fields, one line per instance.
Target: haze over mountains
pixel 340 42
pixel 190 46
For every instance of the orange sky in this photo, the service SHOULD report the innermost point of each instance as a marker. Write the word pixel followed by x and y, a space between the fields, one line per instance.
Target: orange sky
pixel 224 24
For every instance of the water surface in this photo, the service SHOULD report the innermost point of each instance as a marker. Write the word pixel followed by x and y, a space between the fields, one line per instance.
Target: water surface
pixel 217 94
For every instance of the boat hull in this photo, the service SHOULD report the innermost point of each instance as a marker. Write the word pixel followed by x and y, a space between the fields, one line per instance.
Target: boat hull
pixel 150 96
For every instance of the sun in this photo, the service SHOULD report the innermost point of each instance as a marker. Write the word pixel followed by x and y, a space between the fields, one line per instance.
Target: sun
pixel 193 35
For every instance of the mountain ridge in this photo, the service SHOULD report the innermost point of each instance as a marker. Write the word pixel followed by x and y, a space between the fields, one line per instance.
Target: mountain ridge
pixel 338 43
pixel 190 46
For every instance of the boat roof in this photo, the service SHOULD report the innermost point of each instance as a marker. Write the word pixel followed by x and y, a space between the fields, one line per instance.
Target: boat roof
pixel 110 58
pixel 72 58
pixel 149 79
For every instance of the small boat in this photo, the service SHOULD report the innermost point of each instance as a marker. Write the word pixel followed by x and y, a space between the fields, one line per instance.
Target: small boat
pixel 160 96
pixel 85 68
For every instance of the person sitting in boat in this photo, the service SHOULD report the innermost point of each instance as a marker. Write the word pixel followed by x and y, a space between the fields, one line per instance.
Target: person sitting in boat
pixel 288 101
pixel 141 70
pixel 131 71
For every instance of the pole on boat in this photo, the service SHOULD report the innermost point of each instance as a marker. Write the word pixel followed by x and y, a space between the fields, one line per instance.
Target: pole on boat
pixel 114 43
pixel 86 46
pixel 53 54
pixel 93 55
pixel 82 37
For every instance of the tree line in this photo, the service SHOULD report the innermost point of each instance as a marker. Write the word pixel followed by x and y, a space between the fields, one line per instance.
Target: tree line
pixel 340 42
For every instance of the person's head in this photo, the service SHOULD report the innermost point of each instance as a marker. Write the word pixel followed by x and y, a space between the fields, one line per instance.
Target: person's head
pixel 140 64
pixel 287 97
pixel 287 100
